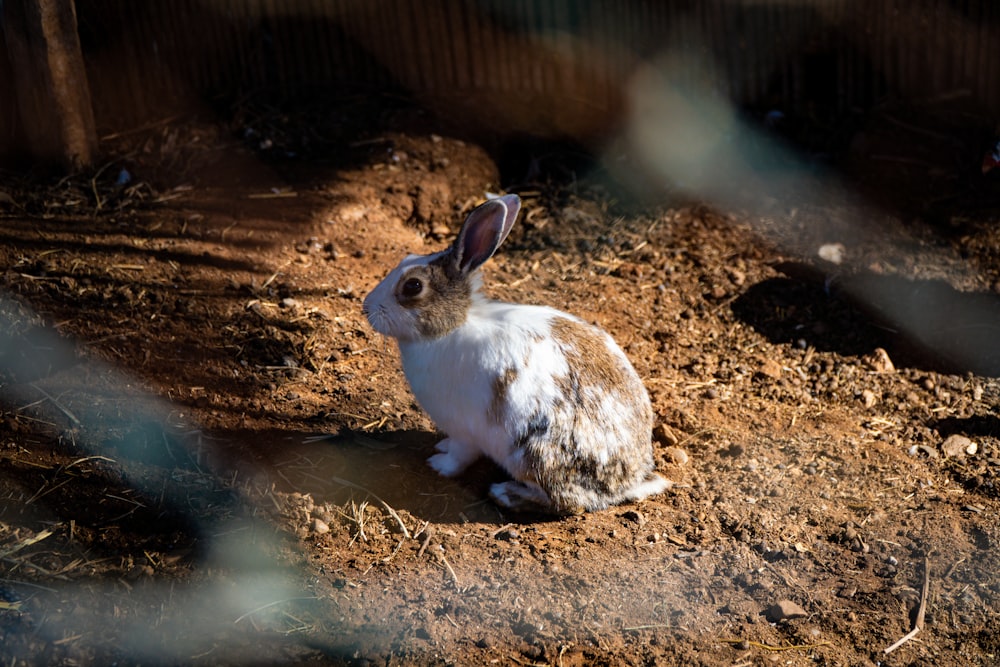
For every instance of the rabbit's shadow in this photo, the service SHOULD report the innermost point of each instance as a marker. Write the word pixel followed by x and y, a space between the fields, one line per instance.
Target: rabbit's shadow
pixel 383 467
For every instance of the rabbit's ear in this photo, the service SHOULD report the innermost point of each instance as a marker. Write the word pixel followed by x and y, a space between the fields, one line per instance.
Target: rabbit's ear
pixel 483 232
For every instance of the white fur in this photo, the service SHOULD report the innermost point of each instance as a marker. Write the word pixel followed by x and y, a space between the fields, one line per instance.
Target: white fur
pixel 452 378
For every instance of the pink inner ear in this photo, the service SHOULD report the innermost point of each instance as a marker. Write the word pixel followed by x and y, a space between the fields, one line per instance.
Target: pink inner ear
pixel 482 235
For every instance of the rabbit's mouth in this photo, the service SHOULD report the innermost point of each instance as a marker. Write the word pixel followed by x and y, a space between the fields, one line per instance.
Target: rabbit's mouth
pixel 378 318
pixel 375 317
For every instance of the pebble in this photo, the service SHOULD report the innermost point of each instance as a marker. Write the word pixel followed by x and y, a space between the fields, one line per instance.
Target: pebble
pixel 320 526
pixel 880 362
pixel 508 535
pixel 832 252
pixel 957 446
pixel 784 610
pixel 769 368
pixel 930 452
pixel 868 398
pixel 665 434
pixel 634 516
pixel 677 455
pixel 848 592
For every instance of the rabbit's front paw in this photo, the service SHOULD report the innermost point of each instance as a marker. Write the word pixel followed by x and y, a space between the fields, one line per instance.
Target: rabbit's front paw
pixel 453 457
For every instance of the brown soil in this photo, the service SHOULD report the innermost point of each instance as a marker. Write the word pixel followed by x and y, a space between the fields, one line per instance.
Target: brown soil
pixel 208 457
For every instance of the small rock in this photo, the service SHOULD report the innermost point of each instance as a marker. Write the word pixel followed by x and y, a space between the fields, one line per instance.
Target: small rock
pixel 676 455
pixel 320 526
pixel 868 398
pixel 832 252
pixel 508 535
pixel 957 446
pixel 929 452
pixel 785 610
pixel 634 516
pixel 769 368
pixel 665 435
pixel 288 302
pixel 848 592
pixel 880 362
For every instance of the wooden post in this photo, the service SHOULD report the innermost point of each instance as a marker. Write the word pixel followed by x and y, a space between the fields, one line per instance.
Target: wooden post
pixel 50 82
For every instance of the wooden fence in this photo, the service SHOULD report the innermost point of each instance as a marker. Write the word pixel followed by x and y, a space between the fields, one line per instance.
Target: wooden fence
pixel 547 67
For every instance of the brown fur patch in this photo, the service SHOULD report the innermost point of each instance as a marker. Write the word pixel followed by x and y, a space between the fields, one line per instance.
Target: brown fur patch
pixel 596 371
pixel 587 352
pixel 501 385
pixel 443 304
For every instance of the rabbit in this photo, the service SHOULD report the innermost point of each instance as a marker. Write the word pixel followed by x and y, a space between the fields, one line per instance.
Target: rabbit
pixel 548 397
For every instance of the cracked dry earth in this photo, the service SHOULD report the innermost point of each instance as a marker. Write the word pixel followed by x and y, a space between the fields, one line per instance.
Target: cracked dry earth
pixel 208 457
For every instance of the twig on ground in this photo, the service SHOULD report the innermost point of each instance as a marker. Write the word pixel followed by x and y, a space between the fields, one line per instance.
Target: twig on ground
pixel 17 582
pixel 450 570
pixel 271 604
pixel 428 534
pixel 918 625
pixel 392 512
pixel 25 543
pixel 63 409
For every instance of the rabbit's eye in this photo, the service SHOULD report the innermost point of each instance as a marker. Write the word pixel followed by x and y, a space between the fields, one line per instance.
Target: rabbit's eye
pixel 412 287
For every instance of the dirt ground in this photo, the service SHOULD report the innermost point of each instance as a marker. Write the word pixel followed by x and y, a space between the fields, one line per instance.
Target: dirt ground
pixel 208 457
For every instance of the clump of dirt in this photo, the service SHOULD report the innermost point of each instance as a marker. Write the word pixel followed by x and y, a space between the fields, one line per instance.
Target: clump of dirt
pixel 203 439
